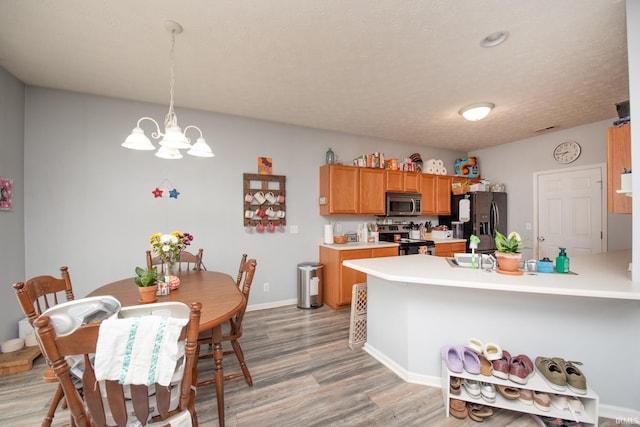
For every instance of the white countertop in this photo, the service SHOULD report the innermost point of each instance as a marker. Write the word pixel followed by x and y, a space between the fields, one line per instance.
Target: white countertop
pixel 603 275
pixel 359 245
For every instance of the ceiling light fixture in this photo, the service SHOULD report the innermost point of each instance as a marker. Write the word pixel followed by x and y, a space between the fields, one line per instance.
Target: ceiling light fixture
pixel 173 139
pixel 494 39
pixel 475 112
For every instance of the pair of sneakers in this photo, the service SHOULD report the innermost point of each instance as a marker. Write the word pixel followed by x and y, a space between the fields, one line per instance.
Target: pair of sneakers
pixel 561 374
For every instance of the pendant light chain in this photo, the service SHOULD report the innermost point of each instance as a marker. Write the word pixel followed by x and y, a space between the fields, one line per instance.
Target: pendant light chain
pixel 171 119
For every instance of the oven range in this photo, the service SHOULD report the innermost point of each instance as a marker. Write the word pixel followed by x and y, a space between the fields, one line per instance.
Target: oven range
pixel 408 246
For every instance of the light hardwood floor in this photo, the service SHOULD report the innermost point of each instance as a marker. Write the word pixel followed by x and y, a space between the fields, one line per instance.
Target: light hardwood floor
pixel 304 374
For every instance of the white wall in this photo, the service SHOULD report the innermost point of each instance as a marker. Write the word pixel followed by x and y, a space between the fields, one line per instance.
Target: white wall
pixel 515 164
pixel 11 222
pixel 633 48
pixel 89 203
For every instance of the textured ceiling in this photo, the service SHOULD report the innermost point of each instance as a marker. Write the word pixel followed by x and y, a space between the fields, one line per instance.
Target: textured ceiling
pixel 394 69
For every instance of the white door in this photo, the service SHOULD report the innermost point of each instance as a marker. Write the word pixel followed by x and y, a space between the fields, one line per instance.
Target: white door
pixel 570 212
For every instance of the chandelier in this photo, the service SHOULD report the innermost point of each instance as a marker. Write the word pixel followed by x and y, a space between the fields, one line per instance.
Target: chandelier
pixel 173 138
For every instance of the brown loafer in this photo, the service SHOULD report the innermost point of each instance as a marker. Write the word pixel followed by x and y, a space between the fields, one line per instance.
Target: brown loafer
pixel 479 412
pixel 458 408
pixel 508 392
pixel 485 366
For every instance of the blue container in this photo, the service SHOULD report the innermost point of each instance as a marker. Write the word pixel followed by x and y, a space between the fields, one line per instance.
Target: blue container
pixel 544 266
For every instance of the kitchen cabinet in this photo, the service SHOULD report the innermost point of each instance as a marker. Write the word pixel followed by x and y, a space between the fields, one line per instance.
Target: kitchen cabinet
pixel 372 191
pixel 447 249
pixel 618 159
pixel 588 417
pixel 339 189
pixel 339 280
pixel 402 181
pixel 436 194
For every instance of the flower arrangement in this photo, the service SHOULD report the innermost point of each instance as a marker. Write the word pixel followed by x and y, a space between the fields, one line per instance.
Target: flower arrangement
pixel 168 246
pixel 509 245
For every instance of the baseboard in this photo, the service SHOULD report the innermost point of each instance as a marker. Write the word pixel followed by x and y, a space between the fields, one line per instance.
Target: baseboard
pixel 620 415
pixel 275 304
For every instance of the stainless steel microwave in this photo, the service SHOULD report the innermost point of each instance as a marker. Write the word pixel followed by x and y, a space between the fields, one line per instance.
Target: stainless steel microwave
pixel 403 204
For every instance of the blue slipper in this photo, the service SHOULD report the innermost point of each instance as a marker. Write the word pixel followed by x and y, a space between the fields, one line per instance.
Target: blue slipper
pixel 452 357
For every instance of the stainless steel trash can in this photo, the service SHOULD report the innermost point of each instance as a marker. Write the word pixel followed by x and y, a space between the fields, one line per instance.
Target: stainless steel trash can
pixel 310 285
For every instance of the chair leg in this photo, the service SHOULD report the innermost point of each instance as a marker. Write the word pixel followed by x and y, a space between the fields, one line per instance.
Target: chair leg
pixel 55 401
pixel 240 355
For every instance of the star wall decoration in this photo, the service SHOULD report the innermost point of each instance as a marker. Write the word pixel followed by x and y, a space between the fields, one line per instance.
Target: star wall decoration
pixel 157 193
pixel 166 189
pixel 174 193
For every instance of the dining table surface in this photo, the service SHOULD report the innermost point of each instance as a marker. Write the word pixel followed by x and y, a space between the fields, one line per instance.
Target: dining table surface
pixel 219 295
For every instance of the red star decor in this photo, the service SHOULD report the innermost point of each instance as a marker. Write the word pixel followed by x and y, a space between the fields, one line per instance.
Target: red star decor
pixel 157 193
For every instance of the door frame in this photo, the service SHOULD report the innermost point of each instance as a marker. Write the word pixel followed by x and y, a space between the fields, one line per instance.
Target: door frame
pixel 603 202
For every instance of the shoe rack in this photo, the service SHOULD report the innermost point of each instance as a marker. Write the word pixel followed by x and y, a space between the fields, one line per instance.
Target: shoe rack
pixel 589 417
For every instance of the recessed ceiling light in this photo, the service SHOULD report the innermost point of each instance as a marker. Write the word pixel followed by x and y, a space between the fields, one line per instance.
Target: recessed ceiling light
pixel 494 39
pixel 475 112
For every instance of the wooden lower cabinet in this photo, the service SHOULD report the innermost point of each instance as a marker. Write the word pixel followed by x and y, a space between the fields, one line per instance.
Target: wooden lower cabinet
pixel 339 280
pixel 448 249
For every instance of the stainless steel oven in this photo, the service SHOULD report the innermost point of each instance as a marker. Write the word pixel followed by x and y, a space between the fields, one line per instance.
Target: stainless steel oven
pixel 403 204
pixel 400 233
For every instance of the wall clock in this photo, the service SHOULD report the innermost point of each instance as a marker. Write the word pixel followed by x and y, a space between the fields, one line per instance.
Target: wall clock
pixel 567 152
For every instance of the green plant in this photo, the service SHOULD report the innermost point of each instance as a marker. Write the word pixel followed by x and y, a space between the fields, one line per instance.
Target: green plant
pixel 146 277
pixel 509 245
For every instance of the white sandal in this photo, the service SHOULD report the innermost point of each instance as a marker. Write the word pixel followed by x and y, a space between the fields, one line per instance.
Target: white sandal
pixel 492 351
pixel 475 345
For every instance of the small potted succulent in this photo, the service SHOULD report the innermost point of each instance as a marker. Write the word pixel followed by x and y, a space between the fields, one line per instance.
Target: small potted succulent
pixel 147 281
pixel 508 252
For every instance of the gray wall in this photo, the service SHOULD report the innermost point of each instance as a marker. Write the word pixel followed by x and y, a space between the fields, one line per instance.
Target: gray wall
pixel 89 203
pixel 12 255
pixel 515 164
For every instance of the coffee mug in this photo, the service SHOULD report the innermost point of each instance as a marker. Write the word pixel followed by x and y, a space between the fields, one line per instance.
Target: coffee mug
pixel 270 212
pixel 248 214
pixel 281 198
pixel 281 228
pixel 248 229
pixel 260 213
pixel 259 196
pixel 271 198
pixel 248 197
pixel 260 227
pixel 281 214
pixel 271 227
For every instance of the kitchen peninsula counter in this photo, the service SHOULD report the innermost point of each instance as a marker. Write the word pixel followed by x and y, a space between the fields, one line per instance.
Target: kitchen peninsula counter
pixel 358 245
pixel 417 304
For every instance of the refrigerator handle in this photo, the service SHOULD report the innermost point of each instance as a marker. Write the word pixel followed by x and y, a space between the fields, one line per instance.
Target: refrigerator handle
pixel 495 218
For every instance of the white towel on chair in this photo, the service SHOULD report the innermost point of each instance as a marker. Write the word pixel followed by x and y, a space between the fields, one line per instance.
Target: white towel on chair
pixel 139 350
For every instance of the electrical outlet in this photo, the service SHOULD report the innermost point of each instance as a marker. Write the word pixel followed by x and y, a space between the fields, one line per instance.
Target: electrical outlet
pixel 338 228
pixel 528 226
pixel 266 286
pixel 294 229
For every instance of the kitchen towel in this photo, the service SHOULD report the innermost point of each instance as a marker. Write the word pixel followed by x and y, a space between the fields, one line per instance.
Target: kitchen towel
pixel 464 213
pixel 328 234
pixel 139 350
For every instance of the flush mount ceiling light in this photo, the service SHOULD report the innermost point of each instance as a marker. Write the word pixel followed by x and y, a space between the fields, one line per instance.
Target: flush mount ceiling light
pixel 475 112
pixel 173 139
pixel 494 39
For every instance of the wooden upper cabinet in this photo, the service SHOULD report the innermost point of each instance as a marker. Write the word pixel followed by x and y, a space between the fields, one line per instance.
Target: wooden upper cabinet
pixel 339 189
pixel 395 180
pixel 372 191
pixel 443 195
pixel 403 181
pixel 618 159
pixel 428 191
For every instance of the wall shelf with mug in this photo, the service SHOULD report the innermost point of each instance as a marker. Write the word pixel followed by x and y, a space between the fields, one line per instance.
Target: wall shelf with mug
pixel 264 201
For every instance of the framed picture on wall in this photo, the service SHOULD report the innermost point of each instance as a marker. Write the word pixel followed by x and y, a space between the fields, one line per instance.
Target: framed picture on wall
pixel 5 193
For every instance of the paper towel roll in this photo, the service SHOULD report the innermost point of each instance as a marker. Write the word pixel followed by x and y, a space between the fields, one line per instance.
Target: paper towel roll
pixel 328 234
pixel 439 163
pixel 431 163
pixel 464 210
pixel 430 169
pixel 444 170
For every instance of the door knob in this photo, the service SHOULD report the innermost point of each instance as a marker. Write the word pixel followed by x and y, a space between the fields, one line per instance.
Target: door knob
pixel 541 239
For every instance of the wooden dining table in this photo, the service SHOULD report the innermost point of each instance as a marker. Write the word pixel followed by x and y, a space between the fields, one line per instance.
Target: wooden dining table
pixel 220 298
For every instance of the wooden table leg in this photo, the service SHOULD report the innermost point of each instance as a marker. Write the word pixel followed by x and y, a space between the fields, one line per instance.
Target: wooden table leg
pixel 219 372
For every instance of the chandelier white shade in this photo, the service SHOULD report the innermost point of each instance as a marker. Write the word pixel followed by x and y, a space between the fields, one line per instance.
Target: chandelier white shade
pixel 173 139
pixel 476 112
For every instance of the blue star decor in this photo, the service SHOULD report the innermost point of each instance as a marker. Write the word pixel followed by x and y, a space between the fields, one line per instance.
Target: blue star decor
pixel 174 193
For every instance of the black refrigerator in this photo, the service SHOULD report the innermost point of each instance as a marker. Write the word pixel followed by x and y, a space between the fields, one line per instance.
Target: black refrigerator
pixel 482 213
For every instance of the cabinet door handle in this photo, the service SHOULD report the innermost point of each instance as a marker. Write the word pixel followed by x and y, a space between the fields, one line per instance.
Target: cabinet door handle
pixel 541 239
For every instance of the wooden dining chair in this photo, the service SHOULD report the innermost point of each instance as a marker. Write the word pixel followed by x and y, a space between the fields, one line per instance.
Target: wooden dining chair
pixel 187 260
pixel 232 329
pixel 128 404
pixel 35 296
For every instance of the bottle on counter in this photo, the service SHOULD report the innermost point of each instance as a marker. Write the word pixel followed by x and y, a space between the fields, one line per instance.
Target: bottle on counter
pixel 562 261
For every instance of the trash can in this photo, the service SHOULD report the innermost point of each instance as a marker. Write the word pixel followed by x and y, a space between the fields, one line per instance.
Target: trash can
pixel 310 285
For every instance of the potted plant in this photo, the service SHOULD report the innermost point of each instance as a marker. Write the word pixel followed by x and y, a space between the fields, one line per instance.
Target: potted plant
pixel 147 279
pixel 508 252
